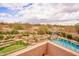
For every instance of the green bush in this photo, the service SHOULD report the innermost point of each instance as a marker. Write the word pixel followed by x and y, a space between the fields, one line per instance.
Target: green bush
pixel 77 27
pixel 9 36
pixel 58 33
pixel 13 32
pixel 69 36
pixel 2 48
pixel 1 33
pixel 1 37
pixel 63 34
pixel 50 32
pixel 76 38
pixel 18 27
pixel 25 33
pixel 20 43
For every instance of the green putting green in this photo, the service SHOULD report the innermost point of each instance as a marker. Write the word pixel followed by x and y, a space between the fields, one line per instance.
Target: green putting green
pixel 11 48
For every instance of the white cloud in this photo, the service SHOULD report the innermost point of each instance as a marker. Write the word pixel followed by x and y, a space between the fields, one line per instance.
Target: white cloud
pixel 49 13
pixel 13 6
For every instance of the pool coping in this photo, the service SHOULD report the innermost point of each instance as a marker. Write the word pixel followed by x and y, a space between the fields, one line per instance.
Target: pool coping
pixel 66 49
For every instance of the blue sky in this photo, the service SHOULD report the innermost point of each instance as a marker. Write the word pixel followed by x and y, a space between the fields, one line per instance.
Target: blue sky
pixel 5 9
pixel 51 13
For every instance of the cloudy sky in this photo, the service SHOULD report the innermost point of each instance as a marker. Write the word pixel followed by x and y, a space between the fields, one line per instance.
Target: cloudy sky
pixel 51 13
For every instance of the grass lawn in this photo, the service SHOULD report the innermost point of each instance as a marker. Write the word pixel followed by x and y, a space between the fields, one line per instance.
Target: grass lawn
pixel 11 48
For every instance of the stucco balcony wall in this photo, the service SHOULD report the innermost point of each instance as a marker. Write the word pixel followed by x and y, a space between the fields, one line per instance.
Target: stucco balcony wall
pixel 56 50
pixel 38 49
pixel 46 48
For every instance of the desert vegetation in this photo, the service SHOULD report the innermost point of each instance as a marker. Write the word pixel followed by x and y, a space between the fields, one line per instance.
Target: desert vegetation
pixel 17 36
pixel 69 36
pixel 77 27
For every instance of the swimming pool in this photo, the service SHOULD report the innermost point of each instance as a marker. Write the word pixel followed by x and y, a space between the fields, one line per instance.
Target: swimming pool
pixel 66 44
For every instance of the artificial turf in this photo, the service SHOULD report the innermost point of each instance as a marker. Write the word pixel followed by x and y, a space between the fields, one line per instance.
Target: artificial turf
pixel 11 48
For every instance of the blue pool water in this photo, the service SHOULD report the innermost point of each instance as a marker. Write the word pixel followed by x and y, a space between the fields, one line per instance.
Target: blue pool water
pixel 67 44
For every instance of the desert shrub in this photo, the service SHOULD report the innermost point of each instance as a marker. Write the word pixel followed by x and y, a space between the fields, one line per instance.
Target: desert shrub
pixel 18 27
pixel 25 33
pixel 69 36
pixel 1 37
pixel 63 34
pixel 1 48
pixel 9 36
pixel 49 32
pixel 77 27
pixel 44 30
pixel 1 32
pixel 76 38
pixel 58 33
pixel 13 32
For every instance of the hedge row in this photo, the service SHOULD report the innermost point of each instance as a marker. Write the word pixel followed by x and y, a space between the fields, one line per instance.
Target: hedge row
pixel 69 36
